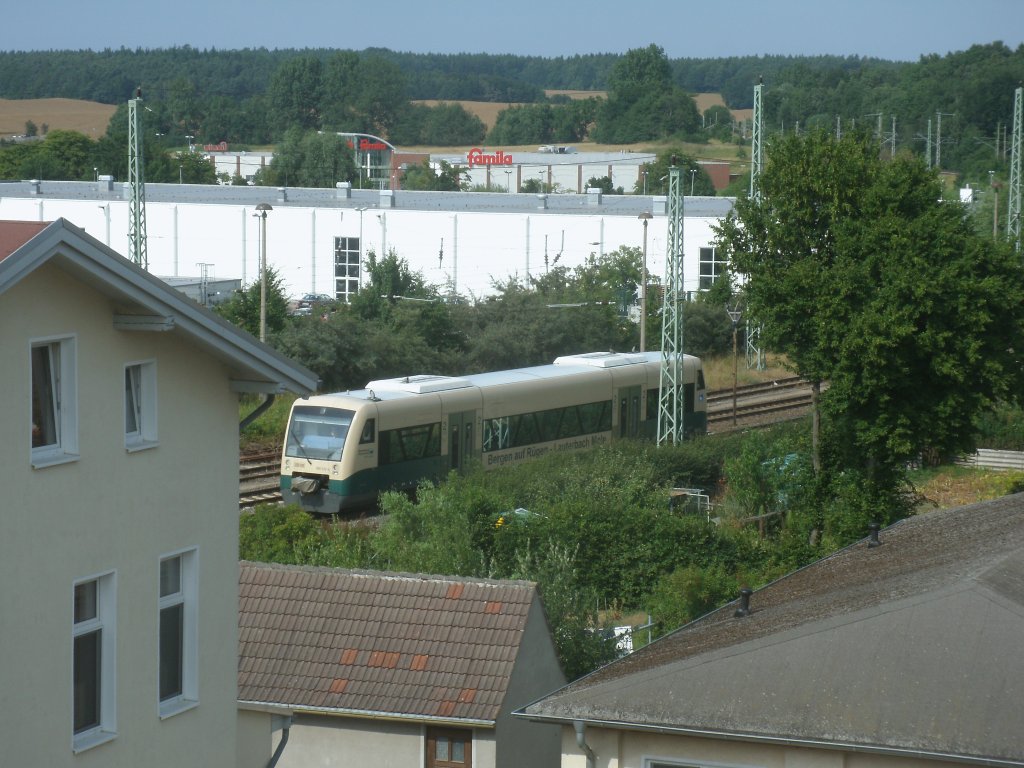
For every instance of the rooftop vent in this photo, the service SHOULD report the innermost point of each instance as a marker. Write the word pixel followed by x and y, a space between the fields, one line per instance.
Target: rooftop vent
pixel 744 607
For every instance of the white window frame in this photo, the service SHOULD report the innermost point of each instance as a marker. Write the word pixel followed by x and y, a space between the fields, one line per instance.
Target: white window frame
pixel 140 399
pixel 63 389
pixel 186 596
pixel 104 621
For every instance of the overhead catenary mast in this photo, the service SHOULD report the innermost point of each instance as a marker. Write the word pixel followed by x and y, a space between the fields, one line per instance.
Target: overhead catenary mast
pixel 755 356
pixel 671 427
pixel 1013 215
pixel 136 185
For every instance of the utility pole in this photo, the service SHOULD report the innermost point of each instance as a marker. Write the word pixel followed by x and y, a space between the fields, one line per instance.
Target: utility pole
pixel 136 185
pixel 671 395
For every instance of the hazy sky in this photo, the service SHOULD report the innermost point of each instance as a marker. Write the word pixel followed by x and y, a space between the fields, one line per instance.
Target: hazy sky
pixel 891 29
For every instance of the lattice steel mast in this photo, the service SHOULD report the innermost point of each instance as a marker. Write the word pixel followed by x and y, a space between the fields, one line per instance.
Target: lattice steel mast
pixel 1013 215
pixel 755 356
pixel 136 185
pixel 671 427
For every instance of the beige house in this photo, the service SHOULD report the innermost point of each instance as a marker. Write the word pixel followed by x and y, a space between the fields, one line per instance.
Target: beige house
pixel 388 669
pixel 903 651
pixel 119 459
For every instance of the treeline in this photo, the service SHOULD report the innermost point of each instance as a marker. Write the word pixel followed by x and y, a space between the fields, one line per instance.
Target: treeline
pixel 254 96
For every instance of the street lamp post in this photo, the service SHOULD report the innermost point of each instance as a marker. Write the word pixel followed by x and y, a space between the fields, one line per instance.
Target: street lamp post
pixel 644 217
pixel 693 175
pixel 263 208
pixel 734 315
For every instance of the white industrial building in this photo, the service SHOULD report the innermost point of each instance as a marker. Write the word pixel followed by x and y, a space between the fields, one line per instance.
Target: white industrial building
pixel 317 239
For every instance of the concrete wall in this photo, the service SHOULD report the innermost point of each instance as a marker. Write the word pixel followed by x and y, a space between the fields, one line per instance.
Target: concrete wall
pixel 478 247
pixel 536 673
pixel 114 510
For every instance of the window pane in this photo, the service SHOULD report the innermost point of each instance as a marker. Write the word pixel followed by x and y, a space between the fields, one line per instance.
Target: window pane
pixel 441 750
pixel 458 752
pixel 132 378
pixel 86 604
pixel 170 576
pixel 44 402
pixel 172 632
pixel 87 679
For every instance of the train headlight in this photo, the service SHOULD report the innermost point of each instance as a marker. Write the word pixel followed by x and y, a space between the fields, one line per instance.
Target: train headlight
pixel 334 470
pixel 287 463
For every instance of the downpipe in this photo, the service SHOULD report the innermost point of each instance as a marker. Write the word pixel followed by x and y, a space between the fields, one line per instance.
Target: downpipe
pixel 260 410
pixel 581 742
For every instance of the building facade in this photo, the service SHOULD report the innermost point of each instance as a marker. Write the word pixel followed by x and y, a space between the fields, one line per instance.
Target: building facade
pixel 120 463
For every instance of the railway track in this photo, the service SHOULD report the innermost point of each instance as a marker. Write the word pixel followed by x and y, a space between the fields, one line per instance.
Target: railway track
pixel 756 404
pixel 259 479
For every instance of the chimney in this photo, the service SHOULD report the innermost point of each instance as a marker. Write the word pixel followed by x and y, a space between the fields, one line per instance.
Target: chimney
pixel 873 535
pixel 744 607
pixel 344 190
pixel 282 195
pixel 593 195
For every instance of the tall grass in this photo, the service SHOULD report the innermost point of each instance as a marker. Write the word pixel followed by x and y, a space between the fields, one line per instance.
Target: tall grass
pixel 267 432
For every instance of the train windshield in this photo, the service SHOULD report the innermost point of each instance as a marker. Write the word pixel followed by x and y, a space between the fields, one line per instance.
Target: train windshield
pixel 316 432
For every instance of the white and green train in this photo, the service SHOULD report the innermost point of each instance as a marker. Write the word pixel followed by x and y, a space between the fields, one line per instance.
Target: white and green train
pixel 341 450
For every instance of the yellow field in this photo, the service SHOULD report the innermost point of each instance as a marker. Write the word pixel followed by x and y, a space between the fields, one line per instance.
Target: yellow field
pixel 86 117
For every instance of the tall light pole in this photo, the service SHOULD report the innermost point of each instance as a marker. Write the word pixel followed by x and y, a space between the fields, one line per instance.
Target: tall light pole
pixel 263 208
pixel 644 217
pixel 693 175
pixel 734 315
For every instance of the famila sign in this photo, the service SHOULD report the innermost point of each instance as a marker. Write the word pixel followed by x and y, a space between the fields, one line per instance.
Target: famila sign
pixel 477 156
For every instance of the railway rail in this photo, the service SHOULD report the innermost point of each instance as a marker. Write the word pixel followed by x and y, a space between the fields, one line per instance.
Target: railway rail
pixel 756 404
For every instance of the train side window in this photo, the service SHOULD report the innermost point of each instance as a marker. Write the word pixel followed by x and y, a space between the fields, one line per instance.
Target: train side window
pixel 369 432
pixel 700 378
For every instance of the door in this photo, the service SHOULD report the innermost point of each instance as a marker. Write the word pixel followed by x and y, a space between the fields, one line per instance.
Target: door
pixel 629 411
pixel 449 748
pixel 460 439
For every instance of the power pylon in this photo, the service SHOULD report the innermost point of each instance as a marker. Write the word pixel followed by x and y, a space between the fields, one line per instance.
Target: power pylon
pixel 136 185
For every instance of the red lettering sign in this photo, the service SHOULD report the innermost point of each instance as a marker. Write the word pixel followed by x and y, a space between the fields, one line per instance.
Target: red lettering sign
pixel 476 156
pixel 366 145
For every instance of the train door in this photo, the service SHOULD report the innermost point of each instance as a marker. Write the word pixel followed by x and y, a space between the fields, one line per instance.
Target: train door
pixel 629 411
pixel 460 439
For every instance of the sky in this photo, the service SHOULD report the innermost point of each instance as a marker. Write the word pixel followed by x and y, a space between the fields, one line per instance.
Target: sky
pixel 901 30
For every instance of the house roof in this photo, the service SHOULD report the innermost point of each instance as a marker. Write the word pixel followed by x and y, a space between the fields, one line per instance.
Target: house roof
pixel 911 647
pixel 425 648
pixel 144 302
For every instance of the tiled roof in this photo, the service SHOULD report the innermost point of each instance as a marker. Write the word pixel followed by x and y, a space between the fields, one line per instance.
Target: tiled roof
pixel 909 647
pixel 423 647
pixel 14 234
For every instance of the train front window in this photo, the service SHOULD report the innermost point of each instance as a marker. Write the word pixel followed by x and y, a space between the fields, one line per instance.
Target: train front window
pixel 316 432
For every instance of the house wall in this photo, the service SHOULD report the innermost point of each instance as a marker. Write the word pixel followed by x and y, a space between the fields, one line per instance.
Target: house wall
pixel 478 247
pixel 348 742
pixel 114 510
pixel 536 673
pixel 635 749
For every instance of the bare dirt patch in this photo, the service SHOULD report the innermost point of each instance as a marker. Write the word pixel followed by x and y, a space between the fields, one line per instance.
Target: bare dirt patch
pixel 86 117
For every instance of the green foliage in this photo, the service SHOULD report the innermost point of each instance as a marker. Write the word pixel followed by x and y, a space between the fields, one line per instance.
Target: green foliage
pixel 690 173
pixel 268 429
pixel 863 279
pixel 273 533
pixel 309 159
pixel 1001 427
pixel 689 592
pixel 604 183
pixel 243 308
pixel 643 102
pixel 446 178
